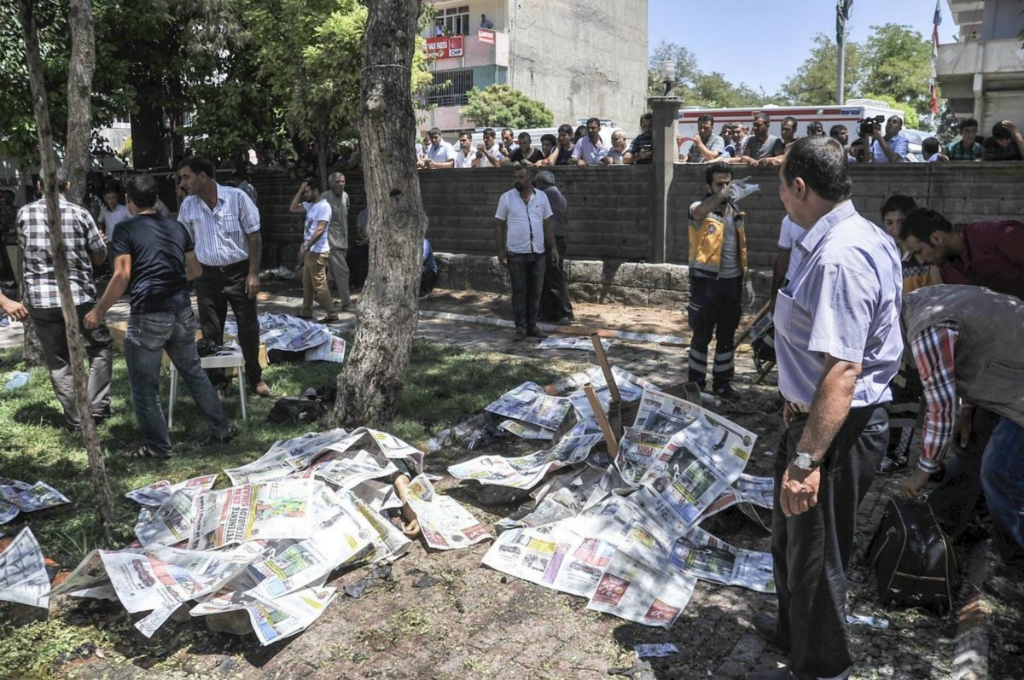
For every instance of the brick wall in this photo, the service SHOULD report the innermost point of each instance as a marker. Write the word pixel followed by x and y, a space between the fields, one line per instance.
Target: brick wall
pixel 610 216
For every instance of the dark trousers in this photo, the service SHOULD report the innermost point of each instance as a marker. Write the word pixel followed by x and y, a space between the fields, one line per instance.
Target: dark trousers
pixel 148 337
pixel 359 265
pixel 959 496
pixel 714 310
pixel 527 273
pixel 216 289
pixel 428 279
pixel 554 299
pixel 812 550
pixel 52 334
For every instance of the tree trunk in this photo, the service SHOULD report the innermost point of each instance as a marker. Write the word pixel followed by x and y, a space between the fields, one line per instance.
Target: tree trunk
pixel 370 385
pixel 101 486
pixel 80 72
pixel 321 158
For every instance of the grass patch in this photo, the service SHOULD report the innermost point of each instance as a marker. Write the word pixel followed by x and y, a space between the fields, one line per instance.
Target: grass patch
pixel 445 385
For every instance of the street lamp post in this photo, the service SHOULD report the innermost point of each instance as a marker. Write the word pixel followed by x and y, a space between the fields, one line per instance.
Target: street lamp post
pixel 668 75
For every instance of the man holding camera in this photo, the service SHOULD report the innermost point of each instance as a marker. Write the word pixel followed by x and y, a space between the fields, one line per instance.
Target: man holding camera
pixel 892 147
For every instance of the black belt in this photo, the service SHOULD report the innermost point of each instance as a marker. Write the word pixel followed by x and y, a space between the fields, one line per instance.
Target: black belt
pixel 226 267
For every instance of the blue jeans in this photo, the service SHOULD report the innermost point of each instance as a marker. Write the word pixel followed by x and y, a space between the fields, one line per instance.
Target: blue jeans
pixel 527 273
pixel 148 337
pixel 1002 478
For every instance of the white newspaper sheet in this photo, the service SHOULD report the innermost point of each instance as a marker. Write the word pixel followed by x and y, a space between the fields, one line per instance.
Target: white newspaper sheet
pixel 749 491
pixel 280 618
pixel 332 350
pixel 23 577
pixel 271 510
pixel 531 404
pixel 89 575
pixel 350 469
pixel 156 494
pixel 39 496
pixel 286 457
pixel 445 524
pixel 578 343
pixel 285 332
pixel 702 555
pixel 171 523
pixel 631 388
pixel 638 452
pixel 664 414
pixel 8 511
pixel 525 472
pixel 524 431
pixel 637 592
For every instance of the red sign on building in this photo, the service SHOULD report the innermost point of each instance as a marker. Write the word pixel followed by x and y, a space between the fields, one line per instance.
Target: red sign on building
pixel 445 47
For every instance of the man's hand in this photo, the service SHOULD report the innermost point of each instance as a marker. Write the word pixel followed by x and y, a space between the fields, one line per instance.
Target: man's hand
pixel 1009 126
pixel 910 488
pixel 799 490
pixel 13 309
pixel 302 252
pixel 964 427
pixel 644 154
pixel 92 320
pixel 553 252
pixel 502 257
pixel 252 285
pixel 581 163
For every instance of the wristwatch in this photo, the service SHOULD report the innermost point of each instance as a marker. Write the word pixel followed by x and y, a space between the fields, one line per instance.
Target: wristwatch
pixel 805 462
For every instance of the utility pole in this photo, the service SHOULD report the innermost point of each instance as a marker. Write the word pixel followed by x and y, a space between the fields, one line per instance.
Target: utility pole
pixel 842 16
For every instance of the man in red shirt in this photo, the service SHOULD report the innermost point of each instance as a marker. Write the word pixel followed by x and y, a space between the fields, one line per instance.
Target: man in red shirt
pixel 988 253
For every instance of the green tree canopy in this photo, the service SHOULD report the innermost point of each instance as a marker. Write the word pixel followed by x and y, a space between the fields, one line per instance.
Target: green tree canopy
pixel 501 105
pixel 910 117
pixel 817 79
pixel 897 64
pixel 696 87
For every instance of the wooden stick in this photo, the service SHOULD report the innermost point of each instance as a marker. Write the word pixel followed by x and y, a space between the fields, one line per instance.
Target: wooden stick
pixel 750 326
pixel 602 361
pixel 764 374
pixel 606 429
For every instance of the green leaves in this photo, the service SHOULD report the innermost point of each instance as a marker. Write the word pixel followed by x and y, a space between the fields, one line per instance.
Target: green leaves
pixel 501 105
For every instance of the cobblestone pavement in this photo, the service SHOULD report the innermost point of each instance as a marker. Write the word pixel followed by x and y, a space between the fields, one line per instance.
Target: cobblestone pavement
pixel 478 623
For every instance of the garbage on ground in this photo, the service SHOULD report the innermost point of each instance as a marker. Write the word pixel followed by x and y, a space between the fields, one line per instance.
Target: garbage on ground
pixel 646 651
pixel 867 620
pixel 23 577
pixel 267 545
pixel 16 380
pixel 578 343
pixel 17 496
pixel 281 272
pixel 289 338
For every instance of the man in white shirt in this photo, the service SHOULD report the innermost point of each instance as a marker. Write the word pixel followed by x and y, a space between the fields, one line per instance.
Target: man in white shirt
pixel 315 252
pixel 788 260
pixel 225 226
pixel 112 213
pixel 486 23
pixel 466 155
pixel 488 154
pixel 591 149
pixel 440 154
pixel 891 147
pixel 618 155
pixel 523 231
pixel 337 236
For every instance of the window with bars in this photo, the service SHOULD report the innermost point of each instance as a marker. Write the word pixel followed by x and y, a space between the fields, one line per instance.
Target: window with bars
pixel 450 87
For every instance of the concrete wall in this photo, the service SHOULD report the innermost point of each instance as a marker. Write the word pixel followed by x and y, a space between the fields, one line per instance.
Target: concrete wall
pixel 610 227
pixel 581 59
pixel 1003 19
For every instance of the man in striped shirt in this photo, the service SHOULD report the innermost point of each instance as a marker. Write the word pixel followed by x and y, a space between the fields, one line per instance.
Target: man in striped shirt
pixel 968 342
pixel 85 250
pixel 225 226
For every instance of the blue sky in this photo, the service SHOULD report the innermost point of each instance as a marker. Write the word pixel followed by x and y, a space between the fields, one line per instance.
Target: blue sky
pixel 768 40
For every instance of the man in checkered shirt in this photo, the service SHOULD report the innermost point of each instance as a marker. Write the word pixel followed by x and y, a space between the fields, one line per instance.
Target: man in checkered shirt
pixel 85 249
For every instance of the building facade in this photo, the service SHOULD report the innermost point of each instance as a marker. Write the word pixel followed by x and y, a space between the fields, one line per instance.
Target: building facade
pixel 982 72
pixel 580 59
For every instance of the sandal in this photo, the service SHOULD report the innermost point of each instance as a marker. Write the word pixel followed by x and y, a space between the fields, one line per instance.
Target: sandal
pixel 144 452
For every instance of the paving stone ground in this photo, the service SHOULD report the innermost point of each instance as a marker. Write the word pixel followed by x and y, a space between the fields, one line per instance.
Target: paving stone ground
pixel 478 623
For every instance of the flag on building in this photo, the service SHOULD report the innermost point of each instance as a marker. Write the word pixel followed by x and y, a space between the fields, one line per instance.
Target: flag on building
pixel 842 16
pixel 933 87
pixel 485 36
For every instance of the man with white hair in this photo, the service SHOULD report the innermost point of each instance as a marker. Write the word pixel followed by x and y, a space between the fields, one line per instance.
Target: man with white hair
pixel 555 304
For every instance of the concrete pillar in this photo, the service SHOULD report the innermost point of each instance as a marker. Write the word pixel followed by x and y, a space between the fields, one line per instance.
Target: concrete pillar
pixel 664 126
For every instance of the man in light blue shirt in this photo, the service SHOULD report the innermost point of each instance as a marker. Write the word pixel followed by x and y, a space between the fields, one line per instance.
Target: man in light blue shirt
pixel 838 343
pixel 892 147
pixel 591 149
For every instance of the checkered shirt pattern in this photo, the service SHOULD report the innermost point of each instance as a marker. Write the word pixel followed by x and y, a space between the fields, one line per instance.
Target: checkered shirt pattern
pixel 81 238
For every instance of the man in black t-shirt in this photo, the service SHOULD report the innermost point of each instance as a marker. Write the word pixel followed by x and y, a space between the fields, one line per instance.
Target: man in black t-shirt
pixel 525 153
pixel 154 255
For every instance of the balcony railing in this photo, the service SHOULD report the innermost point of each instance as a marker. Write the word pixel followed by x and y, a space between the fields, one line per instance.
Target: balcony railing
pixel 450 87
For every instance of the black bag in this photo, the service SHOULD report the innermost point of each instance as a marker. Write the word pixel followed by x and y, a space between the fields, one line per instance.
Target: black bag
pixel 762 341
pixel 913 559
pixel 296 410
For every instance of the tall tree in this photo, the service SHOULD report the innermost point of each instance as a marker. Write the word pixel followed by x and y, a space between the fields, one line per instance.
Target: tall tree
pixel 816 81
pixel 82 66
pixel 370 384
pixel 81 29
pixel 502 105
pixel 897 62
pixel 694 86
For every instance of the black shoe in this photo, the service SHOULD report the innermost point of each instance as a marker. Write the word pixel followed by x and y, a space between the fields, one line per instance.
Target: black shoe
pixel 726 391
pixel 519 336
pixel 890 466
pixel 537 333
pixel 767 626
pixel 213 438
pixel 145 452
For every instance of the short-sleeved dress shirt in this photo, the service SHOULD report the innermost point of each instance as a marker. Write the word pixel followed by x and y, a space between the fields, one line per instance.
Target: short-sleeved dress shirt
pixel 525 220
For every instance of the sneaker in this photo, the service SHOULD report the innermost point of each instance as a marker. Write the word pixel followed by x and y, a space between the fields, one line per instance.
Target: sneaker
pixel 212 438
pixel 536 333
pixel 890 466
pixel 328 319
pixel 262 389
pixel 519 336
pixel 726 392
pixel 145 452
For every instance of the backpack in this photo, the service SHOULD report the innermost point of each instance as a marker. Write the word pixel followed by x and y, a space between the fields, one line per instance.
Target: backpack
pixel 913 559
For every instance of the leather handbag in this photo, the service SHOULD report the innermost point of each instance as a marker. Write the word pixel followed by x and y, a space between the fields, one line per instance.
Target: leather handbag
pixel 913 559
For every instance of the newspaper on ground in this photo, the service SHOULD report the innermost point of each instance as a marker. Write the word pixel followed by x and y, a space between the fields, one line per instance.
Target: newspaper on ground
pixel 291 334
pixel 271 510
pixel 525 472
pixel 23 577
pixel 39 496
pixel 749 492
pixel 637 592
pixel 638 452
pixel 579 343
pixel 332 350
pixel 285 457
pixel 530 404
pixel 561 497
pixel 169 524
pixel 630 387
pixel 156 494
pixel 444 522
pixel 8 511
pixel 524 431
pixel 280 618
pixel 702 555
